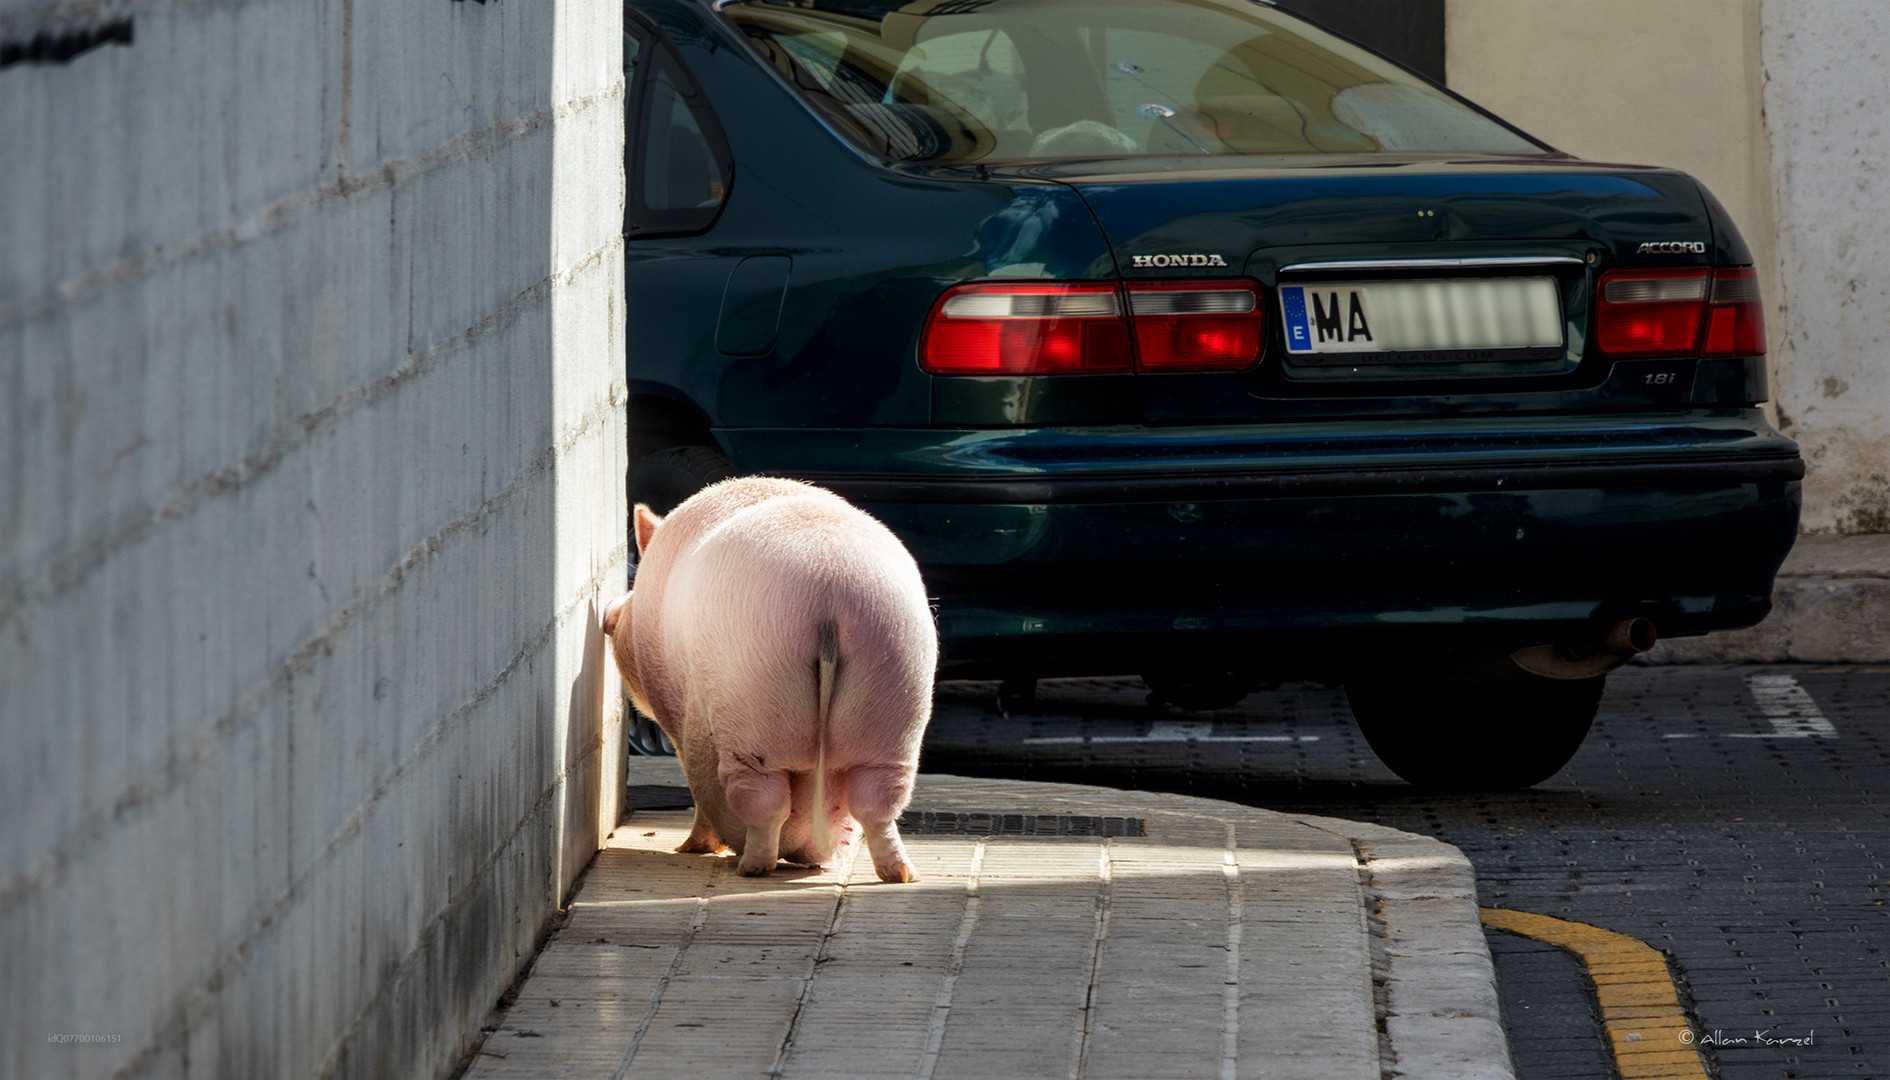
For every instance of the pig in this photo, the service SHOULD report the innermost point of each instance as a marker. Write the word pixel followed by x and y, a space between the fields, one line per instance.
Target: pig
pixel 783 640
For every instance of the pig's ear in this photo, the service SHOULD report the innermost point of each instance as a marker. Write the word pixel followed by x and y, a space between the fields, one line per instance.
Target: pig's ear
pixel 647 521
pixel 613 613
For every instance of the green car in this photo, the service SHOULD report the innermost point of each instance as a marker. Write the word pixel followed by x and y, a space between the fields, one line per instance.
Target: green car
pixel 1186 339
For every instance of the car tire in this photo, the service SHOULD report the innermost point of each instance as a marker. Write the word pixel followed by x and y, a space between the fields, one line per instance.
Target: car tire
pixel 642 735
pixel 664 479
pixel 1474 736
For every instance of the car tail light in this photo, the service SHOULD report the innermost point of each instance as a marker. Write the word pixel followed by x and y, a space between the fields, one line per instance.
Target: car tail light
pixel 1000 328
pixel 1195 325
pixel 1735 323
pixel 1650 312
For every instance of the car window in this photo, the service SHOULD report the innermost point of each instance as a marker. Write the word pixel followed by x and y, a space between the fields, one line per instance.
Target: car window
pixel 633 48
pixel 819 52
pixel 677 163
pixel 1016 80
pixel 978 71
pixel 679 171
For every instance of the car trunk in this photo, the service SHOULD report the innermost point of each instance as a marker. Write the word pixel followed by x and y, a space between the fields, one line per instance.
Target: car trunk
pixel 1491 237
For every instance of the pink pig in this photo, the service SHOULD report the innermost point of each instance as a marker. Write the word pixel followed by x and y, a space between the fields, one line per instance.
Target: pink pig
pixel 783 641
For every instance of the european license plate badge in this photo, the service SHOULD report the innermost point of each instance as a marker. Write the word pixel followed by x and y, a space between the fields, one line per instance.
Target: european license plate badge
pixel 1452 320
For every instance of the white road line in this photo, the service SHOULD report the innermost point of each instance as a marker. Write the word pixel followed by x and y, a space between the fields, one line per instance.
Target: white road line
pixel 1792 712
pixel 1179 730
pixel 1794 715
pixel 1172 731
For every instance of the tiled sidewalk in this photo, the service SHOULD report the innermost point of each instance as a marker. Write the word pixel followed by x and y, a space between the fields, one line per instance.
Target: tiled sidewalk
pixel 1221 942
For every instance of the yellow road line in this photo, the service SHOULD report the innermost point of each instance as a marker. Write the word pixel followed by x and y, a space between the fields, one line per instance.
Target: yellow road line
pixel 1640 1009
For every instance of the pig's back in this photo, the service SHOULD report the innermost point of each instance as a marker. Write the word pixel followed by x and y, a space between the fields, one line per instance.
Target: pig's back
pixel 681 533
pixel 747 603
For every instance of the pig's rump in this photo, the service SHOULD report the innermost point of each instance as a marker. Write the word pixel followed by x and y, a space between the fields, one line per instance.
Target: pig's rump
pixel 742 622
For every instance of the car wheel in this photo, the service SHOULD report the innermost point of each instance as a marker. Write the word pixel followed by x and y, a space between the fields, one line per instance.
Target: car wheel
pixel 1474 736
pixel 1197 689
pixel 667 477
pixel 644 737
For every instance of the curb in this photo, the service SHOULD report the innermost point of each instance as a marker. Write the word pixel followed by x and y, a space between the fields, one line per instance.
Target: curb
pixel 1440 1006
pixel 1442 1010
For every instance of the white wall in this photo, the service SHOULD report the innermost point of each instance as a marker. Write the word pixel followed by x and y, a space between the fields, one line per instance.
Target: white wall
pixel 1828 69
pixel 312 391
pixel 1776 105
pixel 1646 82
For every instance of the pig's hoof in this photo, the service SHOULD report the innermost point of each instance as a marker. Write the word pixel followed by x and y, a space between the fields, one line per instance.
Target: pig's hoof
pixel 900 873
pixel 702 841
pixel 749 869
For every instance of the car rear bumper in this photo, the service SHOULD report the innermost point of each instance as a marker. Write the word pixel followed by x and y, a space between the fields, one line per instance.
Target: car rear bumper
pixel 1329 545
pixel 1286 575
pixel 1287 481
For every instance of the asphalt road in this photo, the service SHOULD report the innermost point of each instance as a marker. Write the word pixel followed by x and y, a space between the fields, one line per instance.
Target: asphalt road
pixel 1735 818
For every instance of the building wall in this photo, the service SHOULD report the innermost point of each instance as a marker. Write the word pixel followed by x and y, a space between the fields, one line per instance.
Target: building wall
pixel 1774 105
pixel 1825 111
pixel 312 396
pixel 1409 31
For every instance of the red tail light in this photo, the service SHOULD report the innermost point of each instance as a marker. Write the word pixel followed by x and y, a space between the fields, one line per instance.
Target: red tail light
pixel 1039 328
pixel 1650 312
pixel 1736 323
pixel 999 328
pixel 1195 325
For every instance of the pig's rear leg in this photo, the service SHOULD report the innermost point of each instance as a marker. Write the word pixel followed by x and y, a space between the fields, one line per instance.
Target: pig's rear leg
pixel 876 794
pixel 763 800
pixel 702 838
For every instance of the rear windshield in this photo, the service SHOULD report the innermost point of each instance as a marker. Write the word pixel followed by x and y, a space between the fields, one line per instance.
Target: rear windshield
pixel 1029 80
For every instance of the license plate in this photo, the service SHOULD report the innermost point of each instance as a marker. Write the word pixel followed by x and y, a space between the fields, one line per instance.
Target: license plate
pixel 1481 318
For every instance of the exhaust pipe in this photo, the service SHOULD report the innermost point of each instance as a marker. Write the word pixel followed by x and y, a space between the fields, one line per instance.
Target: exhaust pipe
pixel 1630 638
pixel 1591 655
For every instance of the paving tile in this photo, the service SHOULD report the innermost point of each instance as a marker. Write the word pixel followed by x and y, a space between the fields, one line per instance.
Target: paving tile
pixel 1113 951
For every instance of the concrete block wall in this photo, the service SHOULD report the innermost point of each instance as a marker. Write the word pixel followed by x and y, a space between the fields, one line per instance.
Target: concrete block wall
pixel 311 410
